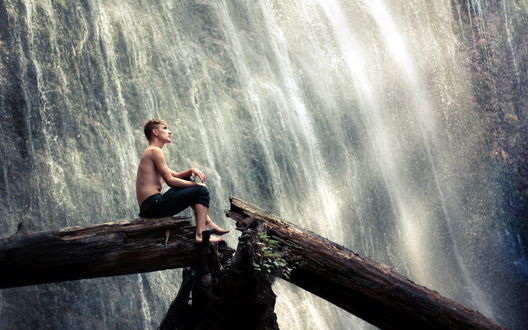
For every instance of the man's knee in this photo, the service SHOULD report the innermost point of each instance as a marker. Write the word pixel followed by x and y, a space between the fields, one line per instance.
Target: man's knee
pixel 201 190
pixel 202 195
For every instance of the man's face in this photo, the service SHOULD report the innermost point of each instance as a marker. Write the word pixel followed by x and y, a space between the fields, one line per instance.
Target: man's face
pixel 164 133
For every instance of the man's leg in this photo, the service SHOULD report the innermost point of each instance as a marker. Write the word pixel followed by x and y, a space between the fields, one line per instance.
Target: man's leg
pixel 200 213
pixel 176 200
pixel 216 228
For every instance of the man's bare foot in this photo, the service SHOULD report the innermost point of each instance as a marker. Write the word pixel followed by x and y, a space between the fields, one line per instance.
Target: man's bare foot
pixel 216 228
pixel 220 231
pixel 213 239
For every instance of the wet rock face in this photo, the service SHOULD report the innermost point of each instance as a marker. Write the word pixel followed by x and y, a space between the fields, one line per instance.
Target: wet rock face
pixel 493 35
pixel 259 94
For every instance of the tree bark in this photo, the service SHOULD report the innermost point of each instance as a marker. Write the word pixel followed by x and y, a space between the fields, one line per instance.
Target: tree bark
pixel 115 248
pixel 360 286
pixel 235 297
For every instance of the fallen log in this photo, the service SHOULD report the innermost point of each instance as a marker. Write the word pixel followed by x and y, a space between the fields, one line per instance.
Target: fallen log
pixel 114 248
pixel 367 289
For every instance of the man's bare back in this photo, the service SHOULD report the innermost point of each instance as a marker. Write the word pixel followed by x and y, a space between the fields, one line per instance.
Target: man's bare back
pixel 148 180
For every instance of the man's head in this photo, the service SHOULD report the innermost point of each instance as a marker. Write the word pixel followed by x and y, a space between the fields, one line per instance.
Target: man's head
pixel 153 124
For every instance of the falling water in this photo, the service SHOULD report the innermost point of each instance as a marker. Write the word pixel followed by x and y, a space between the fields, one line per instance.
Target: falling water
pixel 354 119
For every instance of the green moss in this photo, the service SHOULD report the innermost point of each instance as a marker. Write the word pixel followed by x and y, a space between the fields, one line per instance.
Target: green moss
pixel 269 258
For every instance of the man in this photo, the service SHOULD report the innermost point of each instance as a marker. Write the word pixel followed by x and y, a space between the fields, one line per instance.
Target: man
pixel 153 170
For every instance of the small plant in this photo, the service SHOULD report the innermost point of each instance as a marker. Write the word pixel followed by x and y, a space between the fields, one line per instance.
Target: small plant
pixel 269 259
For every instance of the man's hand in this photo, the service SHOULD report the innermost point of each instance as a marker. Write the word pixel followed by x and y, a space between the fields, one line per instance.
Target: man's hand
pixel 198 173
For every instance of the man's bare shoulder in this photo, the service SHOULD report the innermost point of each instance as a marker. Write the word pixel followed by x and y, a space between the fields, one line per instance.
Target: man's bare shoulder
pixel 152 151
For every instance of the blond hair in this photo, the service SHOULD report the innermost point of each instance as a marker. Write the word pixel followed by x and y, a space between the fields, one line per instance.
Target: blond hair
pixel 151 125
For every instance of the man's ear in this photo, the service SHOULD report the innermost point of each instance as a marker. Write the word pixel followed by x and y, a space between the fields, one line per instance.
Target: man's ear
pixel 155 132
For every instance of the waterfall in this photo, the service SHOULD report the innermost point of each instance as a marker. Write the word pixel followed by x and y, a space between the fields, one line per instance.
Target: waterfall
pixel 358 120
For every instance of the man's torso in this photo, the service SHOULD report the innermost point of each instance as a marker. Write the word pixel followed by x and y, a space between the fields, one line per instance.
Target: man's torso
pixel 148 180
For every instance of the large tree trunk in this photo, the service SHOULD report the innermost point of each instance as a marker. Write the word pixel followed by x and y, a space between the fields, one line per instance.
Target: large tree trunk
pixel 240 296
pixel 236 297
pixel 362 287
pixel 115 248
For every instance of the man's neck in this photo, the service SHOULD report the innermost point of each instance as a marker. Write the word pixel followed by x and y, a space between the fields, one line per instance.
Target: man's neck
pixel 156 143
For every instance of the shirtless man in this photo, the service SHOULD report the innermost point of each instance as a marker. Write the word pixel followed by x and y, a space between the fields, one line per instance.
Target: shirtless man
pixel 153 170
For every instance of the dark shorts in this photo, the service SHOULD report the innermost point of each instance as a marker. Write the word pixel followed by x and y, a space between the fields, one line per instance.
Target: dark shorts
pixel 173 201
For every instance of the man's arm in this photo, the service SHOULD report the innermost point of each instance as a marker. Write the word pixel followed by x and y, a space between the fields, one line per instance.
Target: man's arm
pixel 182 174
pixel 188 173
pixel 158 158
